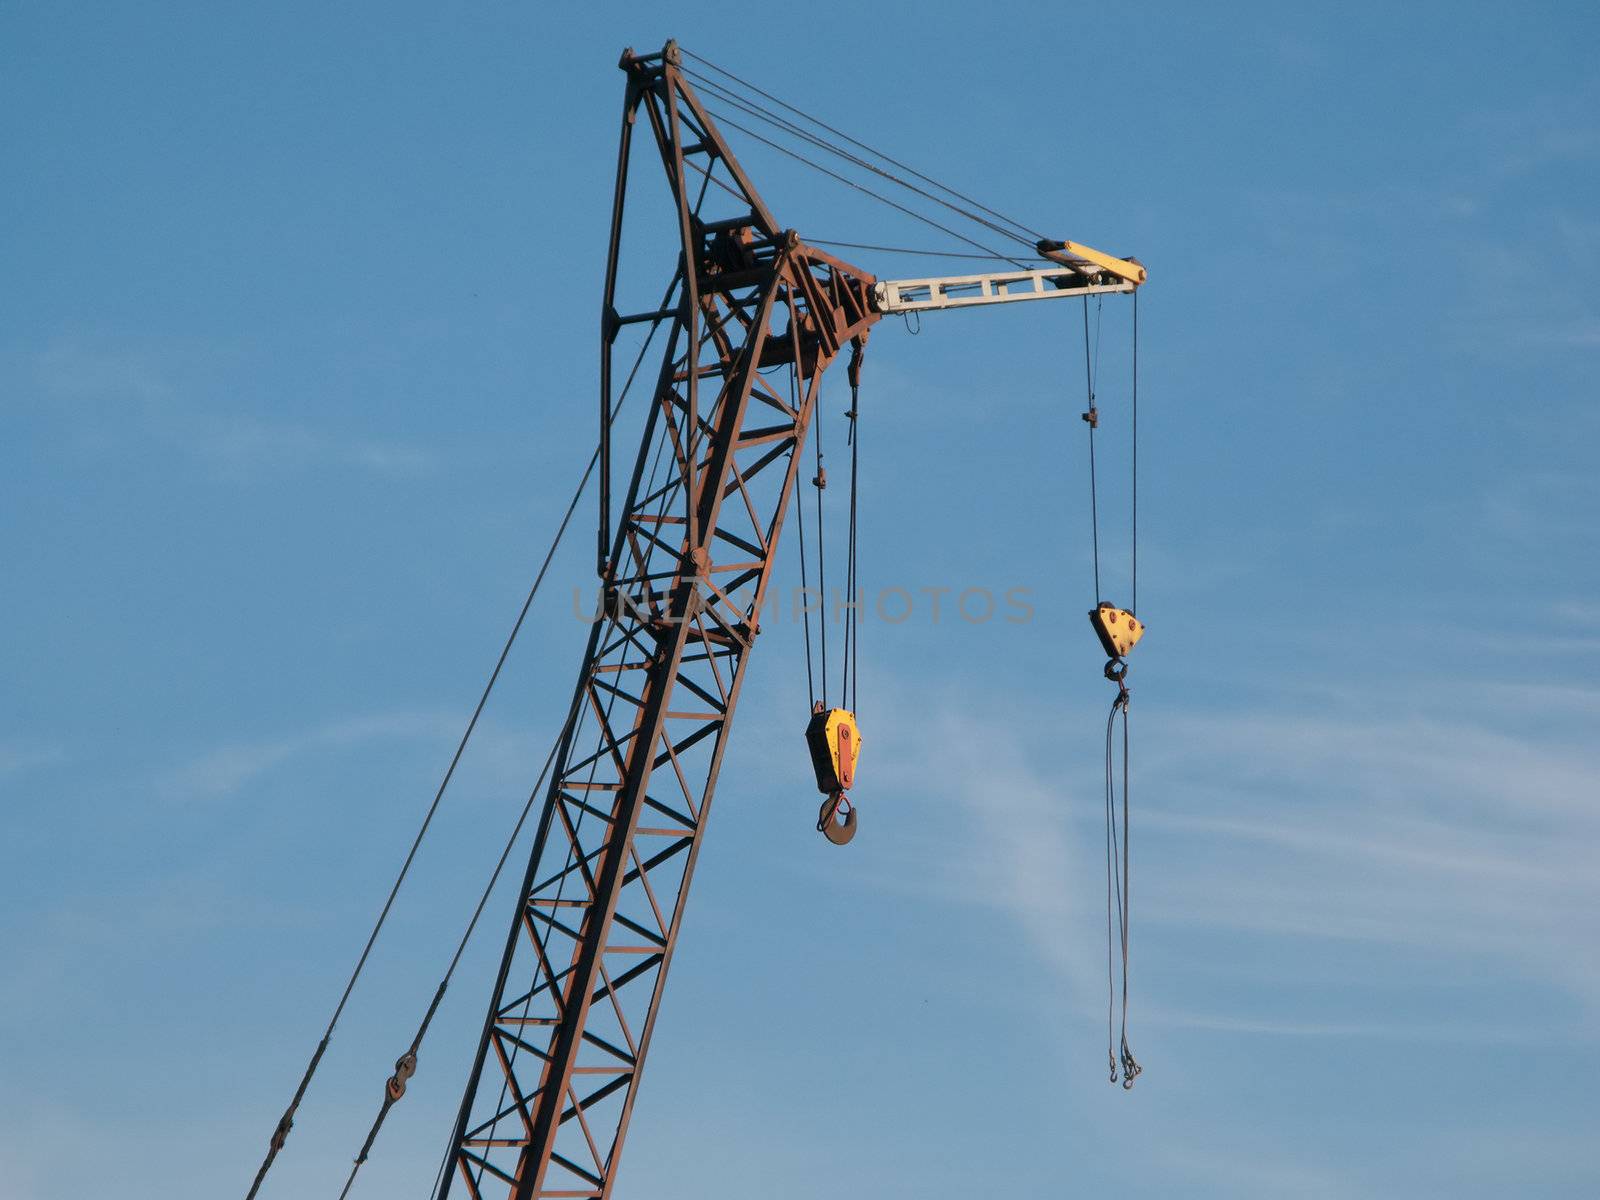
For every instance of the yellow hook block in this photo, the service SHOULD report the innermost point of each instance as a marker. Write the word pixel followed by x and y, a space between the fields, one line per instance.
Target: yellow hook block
pixel 1119 630
pixel 834 740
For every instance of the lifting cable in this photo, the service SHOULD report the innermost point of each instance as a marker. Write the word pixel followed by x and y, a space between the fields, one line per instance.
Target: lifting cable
pixel 849 671
pixel 764 115
pixel 805 582
pixel 1108 621
pixel 285 1123
pixel 969 208
pixel 820 482
pixel 832 735
pixel 921 253
pixel 906 250
pixel 752 108
pixel 1092 419
pixel 852 640
pixel 816 166
pixel 1035 234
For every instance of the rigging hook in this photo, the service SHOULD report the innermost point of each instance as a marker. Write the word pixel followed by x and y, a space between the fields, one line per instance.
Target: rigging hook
pixel 837 819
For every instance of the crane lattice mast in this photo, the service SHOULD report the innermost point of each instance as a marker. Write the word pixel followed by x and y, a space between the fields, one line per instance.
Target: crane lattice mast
pixel 575 1003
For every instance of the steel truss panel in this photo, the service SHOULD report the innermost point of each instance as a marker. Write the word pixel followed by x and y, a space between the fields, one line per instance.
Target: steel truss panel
pixel 575 1003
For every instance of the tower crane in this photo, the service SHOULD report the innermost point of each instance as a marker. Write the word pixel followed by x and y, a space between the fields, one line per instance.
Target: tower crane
pixel 685 552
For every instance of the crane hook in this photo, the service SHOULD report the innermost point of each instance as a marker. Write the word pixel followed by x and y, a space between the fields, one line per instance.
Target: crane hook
pixel 837 819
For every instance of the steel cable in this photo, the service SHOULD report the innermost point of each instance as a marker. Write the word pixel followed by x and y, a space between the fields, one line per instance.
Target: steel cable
pixel 390 1098
pixel 762 114
pixel 286 1122
pixel 1113 894
pixel 861 145
pixel 987 256
pixel 907 250
pixel 1118 890
pixel 574 852
pixel 821 482
pixel 569 865
pixel 1093 419
pixel 849 688
pixel 800 518
pixel 794 154
pixel 1130 1067
pixel 663 439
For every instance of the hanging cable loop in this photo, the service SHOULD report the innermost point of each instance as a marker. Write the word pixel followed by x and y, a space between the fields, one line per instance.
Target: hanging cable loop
pixel 1117 889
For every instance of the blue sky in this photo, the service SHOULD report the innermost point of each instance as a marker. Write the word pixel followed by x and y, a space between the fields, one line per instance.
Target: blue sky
pixel 297 366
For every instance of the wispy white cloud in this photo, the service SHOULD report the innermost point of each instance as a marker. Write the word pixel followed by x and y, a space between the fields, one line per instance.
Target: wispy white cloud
pixel 1538 509
pixel 75 370
pixel 1255 1174
pixel 1583 613
pixel 499 761
pixel 60 942
pixel 1412 1031
pixel 392 458
pixel 1447 837
pixel 1526 143
pixel 1581 333
pixel 1019 849
pixel 1453 837
pixel 221 772
pixel 243 447
pixel 109 390
pixel 17 757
